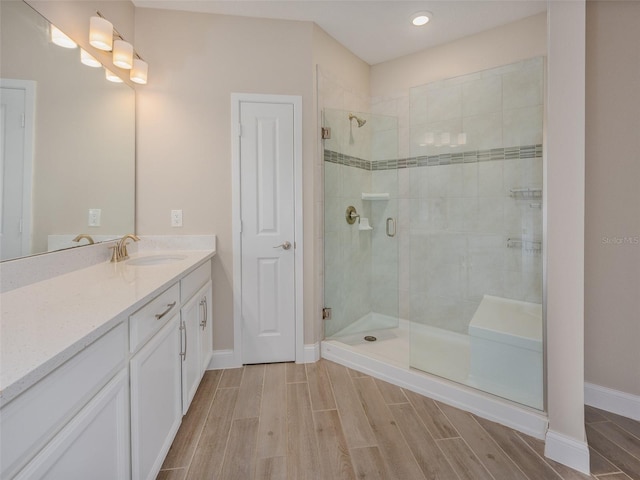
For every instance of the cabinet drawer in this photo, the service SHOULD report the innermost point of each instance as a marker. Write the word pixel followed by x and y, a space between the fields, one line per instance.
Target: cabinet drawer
pixel 33 418
pixel 149 319
pixel 194 281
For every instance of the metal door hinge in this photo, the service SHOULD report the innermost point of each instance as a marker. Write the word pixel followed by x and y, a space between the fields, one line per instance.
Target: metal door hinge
pixel 239 129
pixel 326 133
pixel 326 313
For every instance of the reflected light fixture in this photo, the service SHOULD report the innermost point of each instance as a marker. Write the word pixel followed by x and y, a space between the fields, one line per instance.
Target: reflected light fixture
pixel 112 77
pixel 61 39
pixel 122 54
pixel 89 60
pixel 139 71
pixel 421 18
pixel 101 33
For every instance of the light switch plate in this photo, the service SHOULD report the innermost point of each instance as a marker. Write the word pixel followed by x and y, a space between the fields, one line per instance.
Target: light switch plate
pixel 176 218
pixel 94 217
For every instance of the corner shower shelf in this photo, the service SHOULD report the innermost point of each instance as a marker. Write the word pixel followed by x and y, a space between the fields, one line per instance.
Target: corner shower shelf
pixel 375 196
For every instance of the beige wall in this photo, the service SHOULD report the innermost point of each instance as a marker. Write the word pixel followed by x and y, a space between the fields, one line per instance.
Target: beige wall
pixel 564 186
pixel 612 227
pixel 184 128
pixel 495 47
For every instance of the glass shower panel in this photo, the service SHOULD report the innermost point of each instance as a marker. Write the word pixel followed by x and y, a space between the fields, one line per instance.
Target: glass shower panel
pixel 360 227
pixel 474 256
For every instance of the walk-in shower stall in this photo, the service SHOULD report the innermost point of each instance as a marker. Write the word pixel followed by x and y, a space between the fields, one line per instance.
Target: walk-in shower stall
pixel 433 259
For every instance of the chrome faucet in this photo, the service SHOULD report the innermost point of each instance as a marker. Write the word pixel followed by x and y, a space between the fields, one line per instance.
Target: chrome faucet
pixel 120 249
pixel 84 235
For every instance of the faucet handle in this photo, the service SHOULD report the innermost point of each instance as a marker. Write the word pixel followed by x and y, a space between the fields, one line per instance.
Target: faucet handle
pixel 115 256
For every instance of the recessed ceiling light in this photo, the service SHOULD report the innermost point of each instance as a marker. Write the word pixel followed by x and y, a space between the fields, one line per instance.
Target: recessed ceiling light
pixel 421 18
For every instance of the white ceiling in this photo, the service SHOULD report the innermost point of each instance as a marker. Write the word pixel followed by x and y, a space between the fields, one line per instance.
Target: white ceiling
pixel 376 31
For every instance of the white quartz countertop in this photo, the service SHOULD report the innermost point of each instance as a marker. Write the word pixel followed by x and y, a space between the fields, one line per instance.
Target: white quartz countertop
pixel 46 323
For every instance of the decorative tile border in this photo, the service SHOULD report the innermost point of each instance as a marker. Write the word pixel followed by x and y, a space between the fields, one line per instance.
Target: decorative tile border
pixel 473 156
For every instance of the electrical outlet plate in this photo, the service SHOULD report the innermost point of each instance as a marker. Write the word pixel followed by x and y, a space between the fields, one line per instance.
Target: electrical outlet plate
pixel 94 217
pixel 176 218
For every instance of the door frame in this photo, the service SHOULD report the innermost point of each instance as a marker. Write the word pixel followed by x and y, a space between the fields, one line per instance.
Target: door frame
pixel 29 87
pixel 236 100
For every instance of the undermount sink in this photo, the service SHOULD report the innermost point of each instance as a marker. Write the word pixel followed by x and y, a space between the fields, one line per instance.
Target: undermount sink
pixel 148 260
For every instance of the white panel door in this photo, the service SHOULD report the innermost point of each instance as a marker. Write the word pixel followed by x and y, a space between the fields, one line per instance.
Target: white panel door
pixel 12 142
pixel 267 212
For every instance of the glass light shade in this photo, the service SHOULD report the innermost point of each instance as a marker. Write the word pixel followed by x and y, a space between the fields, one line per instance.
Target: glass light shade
pixel 61 39
pixel 89 60
pixel 122 54
pixel 139 71
pixel 112 77
pixel 101 33
pixel 445 138
pixel 462 138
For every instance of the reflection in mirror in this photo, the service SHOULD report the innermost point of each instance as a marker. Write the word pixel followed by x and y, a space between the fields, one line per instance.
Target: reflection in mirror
pixel 68 142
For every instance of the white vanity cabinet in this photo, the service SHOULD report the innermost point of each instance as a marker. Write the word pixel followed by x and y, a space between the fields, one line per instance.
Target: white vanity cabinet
pixel 74 423
pixel 196 331
pixel 167 369
pixel 111 410
pixel 156 406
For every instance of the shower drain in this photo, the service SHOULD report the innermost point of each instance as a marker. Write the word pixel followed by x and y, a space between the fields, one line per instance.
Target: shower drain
pixel 370 338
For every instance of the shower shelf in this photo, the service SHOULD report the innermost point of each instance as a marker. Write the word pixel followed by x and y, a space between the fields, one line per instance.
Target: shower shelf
pixel 527 192
pixel 527 245
pixel 375 196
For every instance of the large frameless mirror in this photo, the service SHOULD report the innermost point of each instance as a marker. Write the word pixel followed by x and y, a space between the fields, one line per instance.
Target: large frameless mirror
pixel 68 142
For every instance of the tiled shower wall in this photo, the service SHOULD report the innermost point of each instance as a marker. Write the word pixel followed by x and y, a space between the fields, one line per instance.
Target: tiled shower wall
pixel 465 226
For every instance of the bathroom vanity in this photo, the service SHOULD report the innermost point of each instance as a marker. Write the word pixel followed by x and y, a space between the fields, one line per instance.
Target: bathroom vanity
pixel 99 365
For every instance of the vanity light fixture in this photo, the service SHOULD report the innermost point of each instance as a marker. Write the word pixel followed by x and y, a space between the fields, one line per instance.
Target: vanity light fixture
pixel 122 54
pixel 61 39
pixel 104 36
pixel 421 18
pixel 101 33
pixel 112 77
pixel 89 60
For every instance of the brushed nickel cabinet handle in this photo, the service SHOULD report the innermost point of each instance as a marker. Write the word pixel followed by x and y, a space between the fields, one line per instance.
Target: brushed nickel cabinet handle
pixel 160 315
pixel 203 303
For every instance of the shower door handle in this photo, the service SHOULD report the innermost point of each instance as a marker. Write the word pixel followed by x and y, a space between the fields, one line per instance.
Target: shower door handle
pixel 391 222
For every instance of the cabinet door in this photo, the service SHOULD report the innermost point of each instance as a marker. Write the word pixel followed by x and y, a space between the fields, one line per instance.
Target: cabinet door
pixel 155 400
pixel 190 330
pixel 94 444
pixel 206 328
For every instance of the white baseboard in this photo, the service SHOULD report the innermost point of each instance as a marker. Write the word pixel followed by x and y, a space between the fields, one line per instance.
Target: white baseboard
pixel 311 352
pixel 224 359
pixel 568 451
pixel 613 401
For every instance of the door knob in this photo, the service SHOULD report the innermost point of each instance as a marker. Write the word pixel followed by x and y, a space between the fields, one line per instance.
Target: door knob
pixel 285 246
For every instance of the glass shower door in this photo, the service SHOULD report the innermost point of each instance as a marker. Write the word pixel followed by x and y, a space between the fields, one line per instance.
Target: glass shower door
pixel 361 229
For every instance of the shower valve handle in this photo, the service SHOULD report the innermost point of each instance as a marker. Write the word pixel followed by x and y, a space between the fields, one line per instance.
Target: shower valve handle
pixel 284 246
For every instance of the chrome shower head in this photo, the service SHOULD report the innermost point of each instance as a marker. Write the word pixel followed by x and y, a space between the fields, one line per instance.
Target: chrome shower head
pixel 360 121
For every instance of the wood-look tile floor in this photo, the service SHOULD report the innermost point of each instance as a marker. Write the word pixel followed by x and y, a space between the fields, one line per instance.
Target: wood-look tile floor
pixel 323 421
